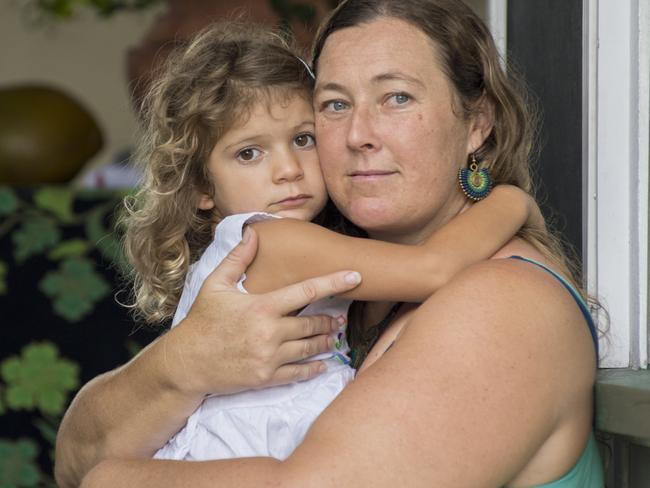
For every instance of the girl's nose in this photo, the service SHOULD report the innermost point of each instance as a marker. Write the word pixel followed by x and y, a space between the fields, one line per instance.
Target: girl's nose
pixel 288 168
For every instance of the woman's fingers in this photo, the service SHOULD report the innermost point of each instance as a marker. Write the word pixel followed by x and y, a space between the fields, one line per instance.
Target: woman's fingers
pixel 301 327
pixel 235 263
pixel 298 350
pixel 290 373
pixel 294 297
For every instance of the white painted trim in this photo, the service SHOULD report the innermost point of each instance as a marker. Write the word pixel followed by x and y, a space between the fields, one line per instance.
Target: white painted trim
pixel 616 150
pixel 497 20
pixel 643 178
pixel 589 144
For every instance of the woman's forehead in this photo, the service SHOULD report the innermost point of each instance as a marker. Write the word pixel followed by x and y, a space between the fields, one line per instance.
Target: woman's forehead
pixel 383 48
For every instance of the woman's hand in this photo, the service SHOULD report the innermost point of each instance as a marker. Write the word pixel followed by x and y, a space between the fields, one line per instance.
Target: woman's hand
pixel 232 341
pixel 229 341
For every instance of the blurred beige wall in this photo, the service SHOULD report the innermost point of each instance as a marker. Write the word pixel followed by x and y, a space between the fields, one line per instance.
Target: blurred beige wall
pixel 84 57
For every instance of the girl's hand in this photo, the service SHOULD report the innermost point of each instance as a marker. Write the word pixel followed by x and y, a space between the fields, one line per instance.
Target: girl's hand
pixel 233 341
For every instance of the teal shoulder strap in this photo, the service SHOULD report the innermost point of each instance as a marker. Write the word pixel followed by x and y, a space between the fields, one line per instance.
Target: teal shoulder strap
pixel 576 296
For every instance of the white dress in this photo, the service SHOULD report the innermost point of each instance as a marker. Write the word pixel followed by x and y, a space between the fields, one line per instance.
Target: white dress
pixel 266 422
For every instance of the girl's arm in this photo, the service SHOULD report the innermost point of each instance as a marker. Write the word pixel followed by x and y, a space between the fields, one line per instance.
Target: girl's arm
pixel 292 250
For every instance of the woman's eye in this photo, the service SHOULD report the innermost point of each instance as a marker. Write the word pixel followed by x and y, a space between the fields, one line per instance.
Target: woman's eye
pixel 304 140
pixel 335 105
pixel 400 98
pixel 248 154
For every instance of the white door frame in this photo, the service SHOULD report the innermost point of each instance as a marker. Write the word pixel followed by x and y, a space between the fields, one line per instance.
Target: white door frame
pixel 616 113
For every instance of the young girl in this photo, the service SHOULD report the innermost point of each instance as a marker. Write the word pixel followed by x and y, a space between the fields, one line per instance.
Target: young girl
pixel 229 141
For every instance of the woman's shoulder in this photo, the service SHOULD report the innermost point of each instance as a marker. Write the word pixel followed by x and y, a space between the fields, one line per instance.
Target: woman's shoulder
pixel 519 274
pixel 521 303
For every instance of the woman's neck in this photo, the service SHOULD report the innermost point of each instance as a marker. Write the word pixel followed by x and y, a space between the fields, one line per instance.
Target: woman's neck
pixel 422 233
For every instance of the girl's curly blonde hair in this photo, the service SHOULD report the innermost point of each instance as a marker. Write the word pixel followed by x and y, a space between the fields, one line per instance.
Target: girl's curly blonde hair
pixel 206 86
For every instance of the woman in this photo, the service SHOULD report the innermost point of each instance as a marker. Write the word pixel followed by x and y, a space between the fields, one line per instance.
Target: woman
pixel 407 93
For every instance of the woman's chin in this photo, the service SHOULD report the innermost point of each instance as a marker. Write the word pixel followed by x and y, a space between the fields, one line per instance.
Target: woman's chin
pixel 376 218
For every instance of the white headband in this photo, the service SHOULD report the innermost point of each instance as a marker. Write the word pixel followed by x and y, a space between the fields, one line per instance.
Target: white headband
pixel 311 73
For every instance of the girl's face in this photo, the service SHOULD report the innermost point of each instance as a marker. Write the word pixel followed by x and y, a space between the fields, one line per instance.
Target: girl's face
pixel 389 139
pixel 269 163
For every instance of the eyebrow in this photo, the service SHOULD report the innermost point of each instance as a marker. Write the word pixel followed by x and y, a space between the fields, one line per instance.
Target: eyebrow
pixel 380 78
pixel 399 76
pixel 329 87
pixel 257 136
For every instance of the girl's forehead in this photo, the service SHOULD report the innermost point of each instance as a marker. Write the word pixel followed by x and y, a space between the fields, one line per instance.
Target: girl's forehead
pixel 269 101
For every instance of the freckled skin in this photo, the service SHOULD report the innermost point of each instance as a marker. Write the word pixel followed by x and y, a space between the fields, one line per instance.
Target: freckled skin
pixel 422 141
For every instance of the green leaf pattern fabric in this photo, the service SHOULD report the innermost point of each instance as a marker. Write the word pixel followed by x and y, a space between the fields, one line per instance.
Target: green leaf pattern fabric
pixel 39 379
pixel 8 200
pixel 59 249
pixel 34 237
pixel 74 288
pixel 17 464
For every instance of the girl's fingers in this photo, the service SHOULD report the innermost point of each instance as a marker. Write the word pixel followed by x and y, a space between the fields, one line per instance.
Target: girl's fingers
pixel 294 297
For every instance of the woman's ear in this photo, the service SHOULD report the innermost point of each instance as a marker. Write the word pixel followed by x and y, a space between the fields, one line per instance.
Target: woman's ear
pixel 481 124
pixel 205 202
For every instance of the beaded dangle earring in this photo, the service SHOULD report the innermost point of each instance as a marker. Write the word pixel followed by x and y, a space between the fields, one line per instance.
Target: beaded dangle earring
pixel 475 183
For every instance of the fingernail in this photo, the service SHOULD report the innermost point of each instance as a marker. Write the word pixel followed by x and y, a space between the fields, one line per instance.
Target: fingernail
pixel 341 320
pixel 247 235
pixel 322 368
pixel 352 278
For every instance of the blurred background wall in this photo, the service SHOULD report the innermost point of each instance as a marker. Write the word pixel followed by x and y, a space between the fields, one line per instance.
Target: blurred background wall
pixel 84 57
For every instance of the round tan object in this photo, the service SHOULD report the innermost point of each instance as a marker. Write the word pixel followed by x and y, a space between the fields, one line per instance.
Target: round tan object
pixel 45 136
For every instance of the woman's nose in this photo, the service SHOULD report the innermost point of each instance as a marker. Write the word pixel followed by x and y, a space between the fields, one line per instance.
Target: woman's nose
pixel 361 132
pixel 287 168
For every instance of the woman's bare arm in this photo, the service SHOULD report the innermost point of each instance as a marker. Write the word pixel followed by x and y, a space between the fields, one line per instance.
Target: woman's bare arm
pixel 132 411
pixel 465 403
pixel 292 250
pixel 136 427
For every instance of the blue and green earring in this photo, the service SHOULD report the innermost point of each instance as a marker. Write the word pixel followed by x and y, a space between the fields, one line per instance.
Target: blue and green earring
pixel 475 183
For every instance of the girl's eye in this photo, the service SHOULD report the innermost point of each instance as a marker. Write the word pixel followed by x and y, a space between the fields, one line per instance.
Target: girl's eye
pixel 335 105
pixel 304 140
pixel 400 98
pixel 248 154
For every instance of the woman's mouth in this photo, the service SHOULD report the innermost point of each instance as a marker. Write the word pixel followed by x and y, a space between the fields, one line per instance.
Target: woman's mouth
pixel 370 175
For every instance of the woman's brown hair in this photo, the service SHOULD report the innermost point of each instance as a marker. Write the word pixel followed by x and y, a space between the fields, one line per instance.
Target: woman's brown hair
pixel 467 54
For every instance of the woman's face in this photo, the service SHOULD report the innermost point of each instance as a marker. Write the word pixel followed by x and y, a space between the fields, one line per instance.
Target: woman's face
pixel 389 141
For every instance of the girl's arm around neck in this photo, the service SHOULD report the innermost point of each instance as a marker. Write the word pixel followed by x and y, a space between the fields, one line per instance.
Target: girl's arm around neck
pixel 292 250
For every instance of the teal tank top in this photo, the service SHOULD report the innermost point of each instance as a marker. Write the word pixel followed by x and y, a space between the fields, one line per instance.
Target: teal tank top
pixel 588 471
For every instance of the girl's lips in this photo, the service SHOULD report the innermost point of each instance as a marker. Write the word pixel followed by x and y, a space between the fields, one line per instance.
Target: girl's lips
pixel 293 202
